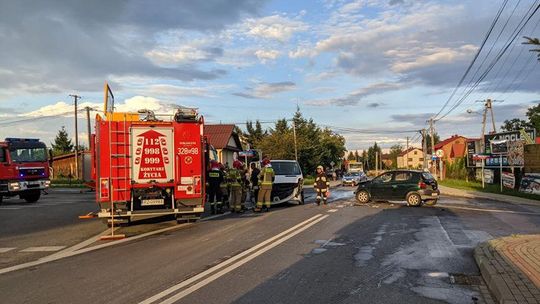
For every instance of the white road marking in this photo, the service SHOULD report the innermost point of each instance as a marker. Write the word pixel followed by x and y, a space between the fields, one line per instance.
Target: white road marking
pixel 6 249
pixel 10 208
pixel 332 210
pixel 231 260
pixel 55 257
pixel 214 277
pixel 43 249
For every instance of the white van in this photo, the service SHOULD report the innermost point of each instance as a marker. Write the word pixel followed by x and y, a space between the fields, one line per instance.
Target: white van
pixel 289 182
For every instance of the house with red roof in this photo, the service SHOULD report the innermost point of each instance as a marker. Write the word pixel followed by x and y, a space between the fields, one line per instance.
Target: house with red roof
pixel 225 140
pixel 411 158
pixel 453 147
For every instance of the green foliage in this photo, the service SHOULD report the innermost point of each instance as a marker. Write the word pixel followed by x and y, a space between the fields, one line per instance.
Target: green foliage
pixel 533 114
pixel 515 124
pixel 372 158
pixel 457 169
pixel 351 156
pixel 436 140
pixel 395 150
pixel 315 145
pixel 62 143
pixel 533 41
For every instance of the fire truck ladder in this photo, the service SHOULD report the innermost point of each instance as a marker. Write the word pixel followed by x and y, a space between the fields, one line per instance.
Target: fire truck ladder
pixel 526 137
pixel 116 147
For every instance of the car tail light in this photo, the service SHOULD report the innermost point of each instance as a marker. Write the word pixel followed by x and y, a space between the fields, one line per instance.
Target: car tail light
pixel 422 185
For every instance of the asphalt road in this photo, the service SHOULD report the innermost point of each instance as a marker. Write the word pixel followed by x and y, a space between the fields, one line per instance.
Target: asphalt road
pixel 378 253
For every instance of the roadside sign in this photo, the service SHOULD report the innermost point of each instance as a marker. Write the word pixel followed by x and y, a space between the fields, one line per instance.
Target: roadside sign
pixel 508 180
pixel 434 157
pixel 248 153
pixel 332 163
pixel 480 157
pixel 439 153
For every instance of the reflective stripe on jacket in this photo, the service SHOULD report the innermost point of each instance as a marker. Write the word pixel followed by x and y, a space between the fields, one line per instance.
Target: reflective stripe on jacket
pixel 266 176
pixel 321 182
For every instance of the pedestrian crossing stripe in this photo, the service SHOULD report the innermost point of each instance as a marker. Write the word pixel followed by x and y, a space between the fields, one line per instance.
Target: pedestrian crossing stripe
pixel 4 250
pixel 43 249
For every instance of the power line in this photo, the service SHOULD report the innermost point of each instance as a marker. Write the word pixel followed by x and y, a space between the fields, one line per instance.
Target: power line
pixel 512 38
pixel 474 58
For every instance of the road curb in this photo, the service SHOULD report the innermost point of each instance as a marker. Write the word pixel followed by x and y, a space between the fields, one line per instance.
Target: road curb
pixel 492 277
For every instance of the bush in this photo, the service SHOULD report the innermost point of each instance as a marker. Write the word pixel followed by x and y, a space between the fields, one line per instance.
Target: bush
pixel 457 169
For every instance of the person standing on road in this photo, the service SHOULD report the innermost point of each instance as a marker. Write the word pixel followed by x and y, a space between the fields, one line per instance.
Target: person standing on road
pixel 266 179
pixel 215 179
pixel 224 186
pixel 254 179
pixel 234 179
pixel 321 186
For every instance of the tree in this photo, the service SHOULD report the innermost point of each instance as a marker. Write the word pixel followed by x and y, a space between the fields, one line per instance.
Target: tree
pixel 356 156
pixel 395 151
pixel 372 158
pixel 62 143
pixel 351 156
pixel 255 134
pixel 315 145
pixel 533 41
pixel 515 124
pixel 436 140
pixel 533 114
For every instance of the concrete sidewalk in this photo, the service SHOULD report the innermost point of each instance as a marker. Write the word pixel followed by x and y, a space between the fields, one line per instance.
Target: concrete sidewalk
pixel 511 268
pixel 490 196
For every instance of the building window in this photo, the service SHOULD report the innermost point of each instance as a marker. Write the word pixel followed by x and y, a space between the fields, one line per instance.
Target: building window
pixel 409 159
pixel 415 152
pixel 421 159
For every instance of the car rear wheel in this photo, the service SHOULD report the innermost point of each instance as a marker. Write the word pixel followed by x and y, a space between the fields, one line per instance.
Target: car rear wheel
pixel 362 197
pixel 414 200
pixel 431 202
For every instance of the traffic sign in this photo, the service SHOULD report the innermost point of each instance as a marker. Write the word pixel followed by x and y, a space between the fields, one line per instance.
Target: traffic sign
pixel 439 153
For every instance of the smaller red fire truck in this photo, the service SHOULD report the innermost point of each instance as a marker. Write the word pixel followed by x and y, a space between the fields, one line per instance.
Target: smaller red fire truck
pixel 148 165
pixel 24 168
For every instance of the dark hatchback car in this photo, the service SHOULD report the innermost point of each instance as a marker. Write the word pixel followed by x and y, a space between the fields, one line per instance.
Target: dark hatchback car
pixel 415 187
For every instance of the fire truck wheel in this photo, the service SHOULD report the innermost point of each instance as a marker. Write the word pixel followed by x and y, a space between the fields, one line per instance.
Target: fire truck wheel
pixel 31 196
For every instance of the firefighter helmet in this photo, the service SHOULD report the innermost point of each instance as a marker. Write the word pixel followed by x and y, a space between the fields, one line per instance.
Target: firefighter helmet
pixel 265 162
pixel 320 167
pixel 238 164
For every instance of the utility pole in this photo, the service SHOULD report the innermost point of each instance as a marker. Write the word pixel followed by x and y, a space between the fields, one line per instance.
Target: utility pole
pixel 424 148
pixel 490 106
pixel 294 135
pixel 76 98
pixel 89 130
pixel 407 154
pixel 432 133
pixel 376 163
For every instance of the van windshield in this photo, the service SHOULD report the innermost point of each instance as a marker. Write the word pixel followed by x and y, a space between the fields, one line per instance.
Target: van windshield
pixel 285 168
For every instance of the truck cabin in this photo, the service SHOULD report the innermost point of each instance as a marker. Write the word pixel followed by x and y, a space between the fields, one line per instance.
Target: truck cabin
pixel 23 150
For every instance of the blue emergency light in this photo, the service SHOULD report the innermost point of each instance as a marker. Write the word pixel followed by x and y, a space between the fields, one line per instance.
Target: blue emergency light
pixel 14 139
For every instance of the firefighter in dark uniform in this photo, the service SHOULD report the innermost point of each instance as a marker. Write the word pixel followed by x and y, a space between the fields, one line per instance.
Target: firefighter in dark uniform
pixel 321 186
pixel 215 179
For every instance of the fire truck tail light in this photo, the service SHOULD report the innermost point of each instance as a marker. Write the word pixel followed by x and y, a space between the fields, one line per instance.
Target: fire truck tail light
pixel 104 188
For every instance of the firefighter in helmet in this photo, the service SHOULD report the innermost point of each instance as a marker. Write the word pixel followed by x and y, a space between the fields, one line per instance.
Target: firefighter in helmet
pixel 234 180
pixel 266 179
pixel 215 179
pixel 224 187
pixel 322 186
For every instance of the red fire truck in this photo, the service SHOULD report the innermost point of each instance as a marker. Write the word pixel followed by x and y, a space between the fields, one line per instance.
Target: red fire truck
pixel 147 166
pixel 24 168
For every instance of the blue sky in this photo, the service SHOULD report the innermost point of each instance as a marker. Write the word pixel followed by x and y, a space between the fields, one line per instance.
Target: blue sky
pixel 379 66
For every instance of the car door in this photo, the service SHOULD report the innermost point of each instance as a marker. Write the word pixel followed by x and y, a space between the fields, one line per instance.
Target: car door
pixel 381 186
pixel 401 184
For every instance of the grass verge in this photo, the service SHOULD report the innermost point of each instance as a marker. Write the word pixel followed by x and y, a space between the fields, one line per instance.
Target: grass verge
pixel 490 188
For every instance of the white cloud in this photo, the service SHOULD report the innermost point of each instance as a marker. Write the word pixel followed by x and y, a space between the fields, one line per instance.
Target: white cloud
pixel 415 58
pixel 266 90
pixel 265 55
pixel 275 27
pixel 353 98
